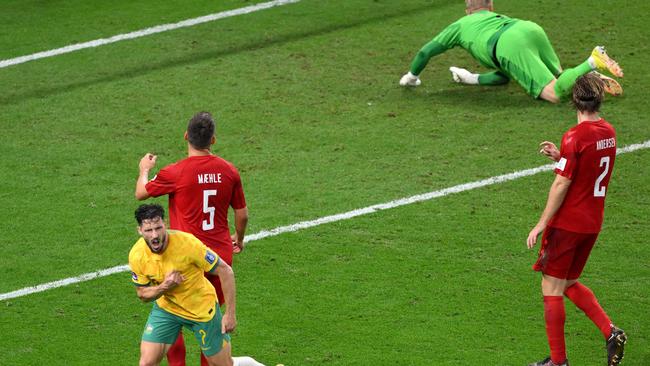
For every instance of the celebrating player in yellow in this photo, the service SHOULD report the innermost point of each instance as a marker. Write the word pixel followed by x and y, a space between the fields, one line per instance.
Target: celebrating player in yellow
pixel 168 266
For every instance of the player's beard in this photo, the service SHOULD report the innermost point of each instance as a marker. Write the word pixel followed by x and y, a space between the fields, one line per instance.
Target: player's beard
pixel 158 245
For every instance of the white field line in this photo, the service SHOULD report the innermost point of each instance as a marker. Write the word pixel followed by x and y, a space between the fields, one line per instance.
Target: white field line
pixel 145 32
pixel 324 220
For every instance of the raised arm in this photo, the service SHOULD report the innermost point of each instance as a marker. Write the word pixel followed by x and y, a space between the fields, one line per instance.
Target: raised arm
pixel 146 164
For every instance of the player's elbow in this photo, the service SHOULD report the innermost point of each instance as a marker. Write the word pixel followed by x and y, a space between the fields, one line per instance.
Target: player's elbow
pixel 143 296
pixel 140 195
pixel 562 182
pixel 225 271
pixel 561 186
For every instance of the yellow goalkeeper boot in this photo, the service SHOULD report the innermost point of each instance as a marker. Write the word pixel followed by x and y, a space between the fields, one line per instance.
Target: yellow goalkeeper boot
pixel 601 61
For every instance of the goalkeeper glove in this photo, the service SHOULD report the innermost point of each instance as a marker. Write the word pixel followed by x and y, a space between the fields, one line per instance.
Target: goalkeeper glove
pixel 409 80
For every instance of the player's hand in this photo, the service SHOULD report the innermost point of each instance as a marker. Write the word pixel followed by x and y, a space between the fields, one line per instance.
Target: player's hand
pixel 532 236
pixel 228 323
pixel 409 80
pixel 173 279
pixel 549 150
pixel 147 162
pixel 237 245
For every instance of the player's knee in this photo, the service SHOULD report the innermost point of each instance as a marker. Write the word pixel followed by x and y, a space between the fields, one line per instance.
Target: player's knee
pixel 221 361
pixel 150 358
pixel 549 95
pixel 553 99
pixel 549 92
pixel 147 362
pixel 223 358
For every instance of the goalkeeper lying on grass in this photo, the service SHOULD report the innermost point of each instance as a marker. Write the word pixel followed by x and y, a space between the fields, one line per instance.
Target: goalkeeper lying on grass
pixel 516 49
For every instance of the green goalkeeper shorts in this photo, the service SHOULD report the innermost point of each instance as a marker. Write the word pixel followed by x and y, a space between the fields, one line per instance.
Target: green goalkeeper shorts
pixel 525 54
pixel 164 327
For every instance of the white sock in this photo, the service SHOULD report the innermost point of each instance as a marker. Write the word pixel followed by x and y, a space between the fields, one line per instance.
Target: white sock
pixel 592 63
pixel 463 76
pixel 245 361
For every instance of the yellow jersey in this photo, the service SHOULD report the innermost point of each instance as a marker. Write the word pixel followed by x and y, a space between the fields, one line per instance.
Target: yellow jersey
pixel 195 298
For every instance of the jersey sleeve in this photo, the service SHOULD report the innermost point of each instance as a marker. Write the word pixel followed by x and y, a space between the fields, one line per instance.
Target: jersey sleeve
pixel 164 182
pixel 204 257
pixel 568 163
pixel 445 40
pixel 137 276
pixel 449 36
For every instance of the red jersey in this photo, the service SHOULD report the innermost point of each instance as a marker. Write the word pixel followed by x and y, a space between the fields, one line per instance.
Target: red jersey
pixel 200 189
pixel 587 158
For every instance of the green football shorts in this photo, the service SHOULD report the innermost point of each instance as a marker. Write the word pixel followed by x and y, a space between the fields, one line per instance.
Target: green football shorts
pixel 525 54
pixel 164 327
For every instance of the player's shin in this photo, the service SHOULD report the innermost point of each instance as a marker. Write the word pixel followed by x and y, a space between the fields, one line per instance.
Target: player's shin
pixel 567 79
pixel 586 301
pixel 555 316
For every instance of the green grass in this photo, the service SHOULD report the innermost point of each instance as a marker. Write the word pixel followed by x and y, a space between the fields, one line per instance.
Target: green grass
pixel 309 110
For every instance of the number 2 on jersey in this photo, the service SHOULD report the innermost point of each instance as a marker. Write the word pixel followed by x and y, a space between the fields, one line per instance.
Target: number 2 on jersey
pixel 209 224
pixel 599 191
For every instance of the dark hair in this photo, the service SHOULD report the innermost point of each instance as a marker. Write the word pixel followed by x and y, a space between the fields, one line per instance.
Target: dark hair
pixel 149 212
pixel 200 130
pixel 588 93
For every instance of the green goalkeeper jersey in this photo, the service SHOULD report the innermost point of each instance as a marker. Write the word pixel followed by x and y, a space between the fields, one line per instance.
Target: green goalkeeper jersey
pixel 472 32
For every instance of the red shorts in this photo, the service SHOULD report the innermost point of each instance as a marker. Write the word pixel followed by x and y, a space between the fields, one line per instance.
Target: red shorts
pixel 564 253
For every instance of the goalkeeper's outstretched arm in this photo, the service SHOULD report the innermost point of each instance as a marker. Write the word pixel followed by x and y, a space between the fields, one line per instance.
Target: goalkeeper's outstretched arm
pixel 420 62
pixel 423 56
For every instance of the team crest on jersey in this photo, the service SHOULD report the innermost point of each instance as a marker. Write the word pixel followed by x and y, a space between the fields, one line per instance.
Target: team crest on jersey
pixel 210 257
pixel 134 276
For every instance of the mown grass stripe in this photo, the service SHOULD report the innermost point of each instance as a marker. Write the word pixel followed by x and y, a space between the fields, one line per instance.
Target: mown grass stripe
pixel 324 220
pixel 145 32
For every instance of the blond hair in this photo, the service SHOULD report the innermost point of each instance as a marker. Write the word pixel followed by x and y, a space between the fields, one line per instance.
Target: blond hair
pixel 477 4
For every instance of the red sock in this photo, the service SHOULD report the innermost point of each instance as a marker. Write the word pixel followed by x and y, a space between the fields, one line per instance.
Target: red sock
pixel 176 353
pixel 555 316
pixel 584 299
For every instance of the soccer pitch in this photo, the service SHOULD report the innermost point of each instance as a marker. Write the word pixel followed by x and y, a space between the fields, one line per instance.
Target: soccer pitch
pixel 309 109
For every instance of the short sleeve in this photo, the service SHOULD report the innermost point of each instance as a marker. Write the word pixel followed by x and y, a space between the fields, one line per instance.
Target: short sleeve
pixel 164 182
pixel 568 163
pixel 137 276
pixel 204 257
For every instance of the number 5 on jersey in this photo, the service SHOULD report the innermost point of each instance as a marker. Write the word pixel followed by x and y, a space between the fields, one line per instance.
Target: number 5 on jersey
pixel 207 209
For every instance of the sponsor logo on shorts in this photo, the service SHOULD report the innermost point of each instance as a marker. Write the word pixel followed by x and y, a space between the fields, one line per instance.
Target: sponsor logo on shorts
pixel 148 329
pixel 210 257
